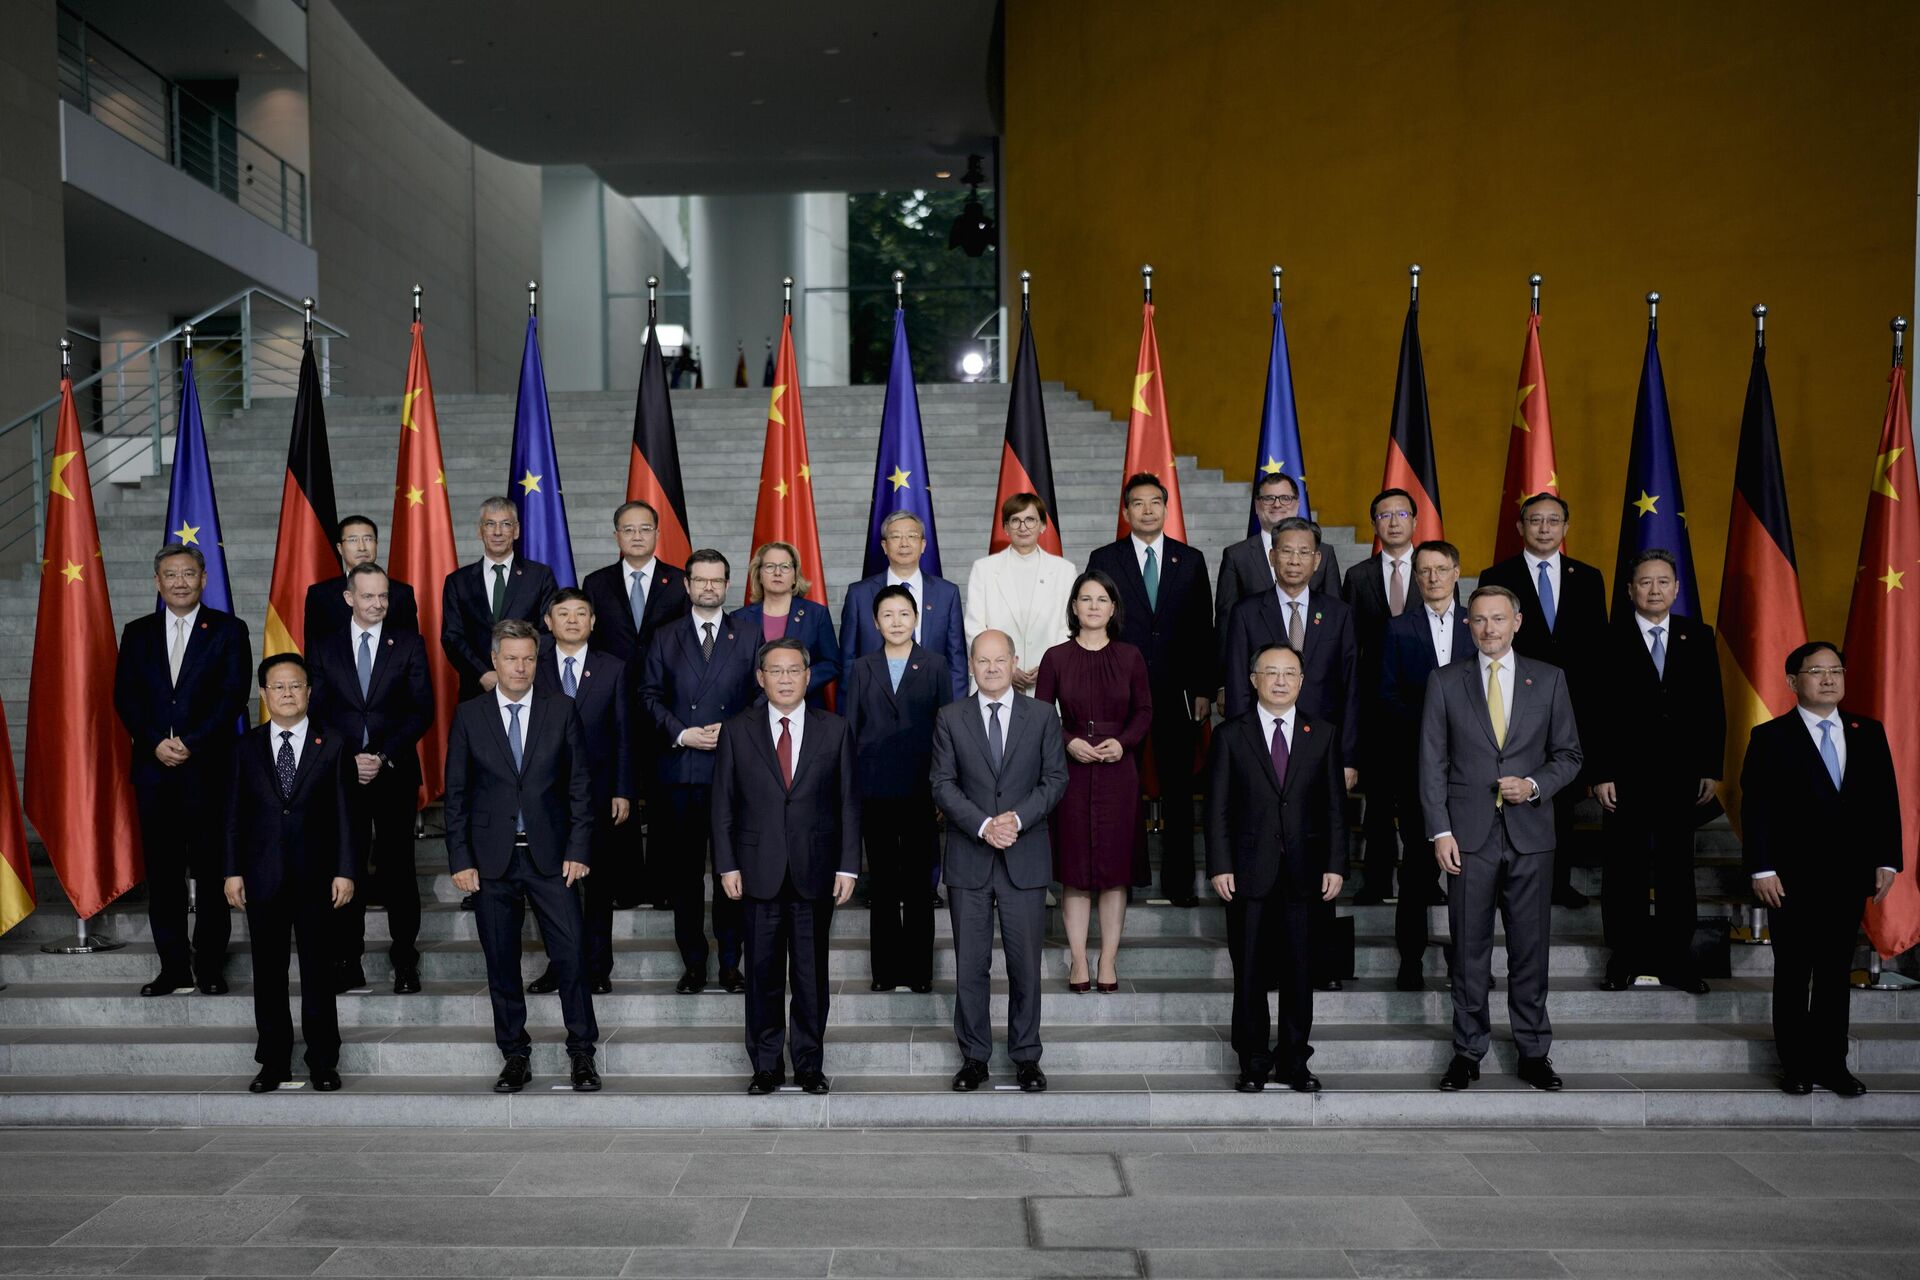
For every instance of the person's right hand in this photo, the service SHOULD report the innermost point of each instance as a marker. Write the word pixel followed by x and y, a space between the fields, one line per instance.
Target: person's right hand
pixel 1446 851
pixel 1024 680
pixel 467 881
pixel 1223 885
pixel 171 752
pixel 732 883
pixel 1608 794
pixel 488 679
pixel 236 892
pixel 1769 890
pixel 1083 751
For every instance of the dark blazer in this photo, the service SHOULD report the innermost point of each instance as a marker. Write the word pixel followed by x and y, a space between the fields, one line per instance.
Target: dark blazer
pixel 327 610
pixel 1821 842
pixel 1276 840
pixel 1580 625
pixel 1244 570
pixel 552 791
pixel 941 628
pixel 1407 662
pixel 466 613
pixel 1331 687
pixel 602 698
pixel 203 710
pixel 682 690
pixel 1365 591
pixel 1658 737
pixel 767 831
pixel 1460 765
pixel 810 624
pixel 1176 636
pixel 296 843
pixel 893 730
pixel 398 708
pixel 1031 781
pixel 613 629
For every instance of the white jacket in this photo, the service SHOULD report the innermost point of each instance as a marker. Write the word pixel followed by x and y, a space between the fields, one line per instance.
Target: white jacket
pixel 1036 628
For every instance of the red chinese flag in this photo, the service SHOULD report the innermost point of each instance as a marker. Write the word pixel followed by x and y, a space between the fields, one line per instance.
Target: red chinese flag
pixel 1883 635
pixel 1149 440
pixel 16 878
pixel 422 552
pixel 784 512
pixel 303 551
pixel 1529 447
pixel 79 791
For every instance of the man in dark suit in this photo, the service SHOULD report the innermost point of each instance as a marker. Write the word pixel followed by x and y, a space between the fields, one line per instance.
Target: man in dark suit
pixel 1659 742
pixel 786 842
pixel 1377 591
pixel 999 768
pixel 1497 740
pixel 372 692
pixel 1246 567
pixel 290 865
pixel 1419 642
pixel 1167 614
pixel 597 684
pixel 1820 828
pixel 1565 603
pixel 1276 846
pixel 180 689
pixel 357 542
pixel 497 587
pixel 699 674
pixel 938 626
pixel 519 833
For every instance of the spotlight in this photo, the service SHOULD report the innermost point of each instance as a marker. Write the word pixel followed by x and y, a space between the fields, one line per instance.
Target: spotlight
pixel 973 231
pixel 973 364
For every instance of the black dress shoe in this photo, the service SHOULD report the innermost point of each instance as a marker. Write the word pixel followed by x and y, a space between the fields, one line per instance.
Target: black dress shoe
pixel 348 976
pixel 1572 899
pixel 406 982
pixel 267 1081
pixel 1188 901
pixel 1461 1072
pixel 1031 1078
pixel 765 1082
pixel 732 980
pixel 514 1075
pixel 811 1081
pixel 467 903
pixel 1410 978
pixel 585 1078
pixel 1369 898
pixel 1331 984
pixel 1616 982
pixel 971 1075
pixel 877 985
pixel 1692 986
pixel 168 984
pixel 214 986
pixel 1251 1082
pixel 691 983
pixel 921 987
pixel 1300 1081
pixel 1799 1086
pixel 601 986
pixel 1842 1084
pixel 1539 1073
pixel 327 1081
pixel 544 985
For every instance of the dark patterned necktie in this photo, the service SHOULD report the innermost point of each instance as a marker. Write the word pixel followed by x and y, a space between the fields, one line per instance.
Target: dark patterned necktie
pixel 706 640
pixel 283 764
pixel 1280 752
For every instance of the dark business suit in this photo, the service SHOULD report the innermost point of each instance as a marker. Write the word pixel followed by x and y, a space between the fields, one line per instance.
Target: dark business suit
pixel 1330 684
pixel 328 612
pixel 893 757
pixel 1654 738
pixel 516 825
pixel 810 624
pixel 1245 570
pixel 467 618
pixel 681 689
pixel 789 842
pixel 601 696
pixel 288 848
pixel 183 808
pixel 1408 660
pixel 1175 635
pixel 1277 841
pixel 388 721
pixel 1365 592
pixel 941 625
pixel 1500 845
pixel 1029 780
pixel 1824 844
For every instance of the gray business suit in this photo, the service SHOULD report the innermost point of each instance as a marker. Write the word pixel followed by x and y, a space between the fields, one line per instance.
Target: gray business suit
pixel 1501 847
pixel 981 879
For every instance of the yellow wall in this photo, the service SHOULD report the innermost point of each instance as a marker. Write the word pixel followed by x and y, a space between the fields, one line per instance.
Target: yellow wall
pixel 1721 154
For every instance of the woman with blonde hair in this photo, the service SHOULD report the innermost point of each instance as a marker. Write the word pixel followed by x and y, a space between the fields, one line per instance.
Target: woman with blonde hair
pixel 777 607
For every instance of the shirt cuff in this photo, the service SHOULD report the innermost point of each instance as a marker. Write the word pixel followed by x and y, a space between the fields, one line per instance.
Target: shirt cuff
pixel 1763 875
pixel 1894 870
pixel 1536 791
pixel 847 875
pixel 1438 835
pixel 981 834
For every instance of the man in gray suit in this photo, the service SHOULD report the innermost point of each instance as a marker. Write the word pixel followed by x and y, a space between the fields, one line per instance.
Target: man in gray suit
pixel 1497 740
pixel 999 768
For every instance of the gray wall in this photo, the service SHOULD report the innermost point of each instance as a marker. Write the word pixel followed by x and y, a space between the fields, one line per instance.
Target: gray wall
pixel 597 251
pixel 33 285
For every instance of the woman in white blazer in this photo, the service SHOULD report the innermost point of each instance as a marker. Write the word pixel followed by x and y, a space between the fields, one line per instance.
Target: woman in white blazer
pixel 1021 590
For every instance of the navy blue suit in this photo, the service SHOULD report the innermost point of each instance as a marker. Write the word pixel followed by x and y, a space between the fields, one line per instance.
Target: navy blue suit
pixel 183 808
pixel 602 694
pixel 466 613
pixel 810 624
pixel 1330 689
pixel 328 611
pixel 941 629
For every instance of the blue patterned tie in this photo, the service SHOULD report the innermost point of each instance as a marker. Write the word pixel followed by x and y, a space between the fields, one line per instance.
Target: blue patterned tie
pixel 1659 652
pixel 283 764
pixel 567 682
pixel 1828 754
pixel 1543 583
pixel 637 600
pixel 513 745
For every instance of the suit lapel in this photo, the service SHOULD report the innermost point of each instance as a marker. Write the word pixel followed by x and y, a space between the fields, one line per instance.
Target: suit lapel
pixel 761 735
pixel 1131 583
pixel 722 645
pixel 976 727
pixel 1257 745
pixel 1477 699
pixel 197 644
pixel 303 772
pixel 1522 701
pixel 497 731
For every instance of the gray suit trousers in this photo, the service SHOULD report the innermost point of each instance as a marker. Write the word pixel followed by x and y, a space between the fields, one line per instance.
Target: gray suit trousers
pixel 1519 886
pixel 1023 931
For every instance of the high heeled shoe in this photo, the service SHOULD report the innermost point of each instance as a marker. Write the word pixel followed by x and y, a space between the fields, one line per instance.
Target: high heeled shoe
pixel 1079 988
pixel 1107 988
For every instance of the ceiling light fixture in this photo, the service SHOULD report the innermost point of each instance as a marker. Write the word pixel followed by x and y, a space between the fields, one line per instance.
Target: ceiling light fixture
pixel 973 231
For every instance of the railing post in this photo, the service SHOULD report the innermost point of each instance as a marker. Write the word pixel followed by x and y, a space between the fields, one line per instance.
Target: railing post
pixel 153 383
pixel 39 491
pixel 174 157
pixel 283 199
pixel 213 132
pixel 246 350
pixel 86 80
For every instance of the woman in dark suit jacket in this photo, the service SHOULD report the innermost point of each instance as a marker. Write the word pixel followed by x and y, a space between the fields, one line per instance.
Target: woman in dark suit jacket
pixel 777 606
pixel 891 699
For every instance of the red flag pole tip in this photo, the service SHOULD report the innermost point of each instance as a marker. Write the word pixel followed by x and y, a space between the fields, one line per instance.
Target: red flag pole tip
pixel 1534 280
pixel 1759 324
pixel 416 304
pixel 1146 281
pixel 1899 326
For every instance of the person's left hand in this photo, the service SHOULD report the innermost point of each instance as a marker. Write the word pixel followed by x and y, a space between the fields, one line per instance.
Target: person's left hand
pixel 367 765
pixel 573 871
pixel 1202 710
pixel 622 809
pixel 1330 886
pixel 1515 790
pixel 1111 751
pixel 1707 787
pixel 1883 883
pixel 342 891
pixel 843 890
pixel 733 884
pixel 1353 777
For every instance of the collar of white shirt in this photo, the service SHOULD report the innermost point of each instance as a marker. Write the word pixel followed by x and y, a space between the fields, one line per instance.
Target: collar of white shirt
pixel 372 631
pixel 699 621
pixel 1141 547
pixel 645 571
pixel 188 618
pixel 1507 662
pixel 1534 562
pixel 298 728
pixel 1267 719
pixel 1005 700
pixel 913 582
pixel 1286 601
pixel 1647 625
pixel 525 701
pixel 486 567
pixel 1813 721
pixel 560 657
pixel 795 718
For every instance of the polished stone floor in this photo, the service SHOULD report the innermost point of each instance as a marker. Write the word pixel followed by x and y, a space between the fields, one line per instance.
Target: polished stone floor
pixel 1668 1203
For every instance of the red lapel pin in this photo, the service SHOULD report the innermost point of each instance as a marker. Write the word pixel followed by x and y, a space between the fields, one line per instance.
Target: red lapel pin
pixel 1529 679
pixel 203 626
pixel 1306 728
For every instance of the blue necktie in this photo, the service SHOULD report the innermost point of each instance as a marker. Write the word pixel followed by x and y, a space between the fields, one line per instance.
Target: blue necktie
pixel 283 764
pixel 513 745
pixel 637 600
pixel 567 682
pixel 1543 583
pixel 364 664
pixel 1151 577
pixel 1828 754
pixel 1660 653
pixel 996 742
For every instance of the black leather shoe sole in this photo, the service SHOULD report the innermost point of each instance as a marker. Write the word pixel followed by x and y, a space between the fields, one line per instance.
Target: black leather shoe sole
pixel 544 985
pixel 214 987
pixel 406 983
pixel 1251 1084
pixel 326 1081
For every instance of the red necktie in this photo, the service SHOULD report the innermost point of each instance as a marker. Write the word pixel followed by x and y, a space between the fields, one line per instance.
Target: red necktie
pixel 784 749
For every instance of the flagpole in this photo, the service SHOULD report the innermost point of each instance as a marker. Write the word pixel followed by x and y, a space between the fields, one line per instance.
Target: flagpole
pixel 653 300
pixel 1026 295
pixel 1653 313
pixel 1278 271
pixel 1899 326
pixel 1146 283
pixel 416 304
pixel 1413 298
pixel 306 319
pixel 899 289
pixel 786 305
pixel 533 299
pixel 1534 280
pixel 186 332
pixel 1759 326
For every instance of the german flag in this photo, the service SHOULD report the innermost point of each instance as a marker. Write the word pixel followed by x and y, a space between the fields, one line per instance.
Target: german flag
pixel 303 552
pixel 1149 438
pixel 1410 463
pixel 1026 463
pixel 653 472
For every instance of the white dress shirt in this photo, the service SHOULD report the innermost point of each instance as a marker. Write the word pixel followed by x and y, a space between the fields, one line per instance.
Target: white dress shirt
pixel 1553 577
pixel 486 567
pixel 1647 625
pixel 1284 720
pixel 1440 627
pixel 560 657
pixel 700 619
pixel 644 573
pixel 1140 553
pixel 355 631
pixel 1286 607
pixel 1005 703
pixel 506 717
pixel 917 584
pixel 298 742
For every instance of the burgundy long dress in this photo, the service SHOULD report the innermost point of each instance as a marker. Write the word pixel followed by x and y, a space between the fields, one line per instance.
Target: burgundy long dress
pixel 1098 840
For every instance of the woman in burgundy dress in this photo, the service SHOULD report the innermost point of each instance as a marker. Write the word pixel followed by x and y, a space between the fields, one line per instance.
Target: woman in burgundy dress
pixel 1099 845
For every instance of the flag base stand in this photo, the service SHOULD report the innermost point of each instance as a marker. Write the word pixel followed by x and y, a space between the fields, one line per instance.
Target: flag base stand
pixel 1874 978
pixel 1749 926
pixel 82 942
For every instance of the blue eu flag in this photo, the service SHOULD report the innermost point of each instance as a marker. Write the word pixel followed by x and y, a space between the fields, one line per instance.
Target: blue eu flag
pixel 1279 452
pixel 533 478
pixel 193 519
pixel 900 480
pixel 1653 514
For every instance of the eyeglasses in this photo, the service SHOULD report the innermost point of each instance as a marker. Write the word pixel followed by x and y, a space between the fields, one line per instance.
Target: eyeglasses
pixel 1024 522
pixel 1545 522
pixel 772 566
pixel 1277 500
pixel 1278 673
pixel 1431 574
pixel 1293 553
pixel 707 582
pixel 285 688
pixel 173 576
pixel 629 530
pixel 1820 673
pixel 783 673
pixel 499 526
pixel 1378 516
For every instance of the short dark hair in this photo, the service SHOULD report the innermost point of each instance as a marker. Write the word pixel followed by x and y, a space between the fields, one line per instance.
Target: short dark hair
pixel 707 555
pixel 1489 589
pixel 569 595
pixel 1107 585
pixel 620 511
pixel 898 591
pixel 364 570
pixel 1019 502
pixel 784 642
pixel 1413 508
pixel 1798 658
pixel 287 659
pixel 1661 554
pixel 1566 512
pixel 347 522
pixel 1265 478
pixel 513 629
pixel 173 549
pixel 1141 480
pixel 1438 547
pixel 1298 524
pixel 1253 663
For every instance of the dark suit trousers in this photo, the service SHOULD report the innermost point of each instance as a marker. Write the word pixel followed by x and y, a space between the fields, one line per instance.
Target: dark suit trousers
pixel 1271 937
pixel 1493 878
pixel 1023 929
pixel 1173 734
pixel 1813 944
pixel 787 941
pixel 183 839
pixel 1419 873
pixel 616 851
pixel 1379 777
pixel 1563 805
pixel 1649 843
pixel 307 922
pixel 382 815
pixel 900 840
pixel 688 833
pixel 499 916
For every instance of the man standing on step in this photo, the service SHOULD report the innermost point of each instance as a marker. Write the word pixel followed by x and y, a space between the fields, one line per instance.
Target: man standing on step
pixel 1377 591
pixel 356 542
pixel 999 768
pixel 497 587
pixel 786 842
pixel 372 691
pixel 520 833
pixel 1246 567
pixel 1497 742
pixel 290 865
pixel 938 620
pixel 181 689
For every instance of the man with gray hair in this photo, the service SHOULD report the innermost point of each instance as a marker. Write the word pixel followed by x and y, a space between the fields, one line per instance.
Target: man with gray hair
pixel 939 625
pixel 497 586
